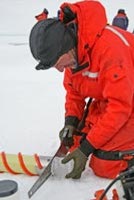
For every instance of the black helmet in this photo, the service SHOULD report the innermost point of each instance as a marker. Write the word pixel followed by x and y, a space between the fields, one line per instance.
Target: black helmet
pixel 49 39
pixel 121 11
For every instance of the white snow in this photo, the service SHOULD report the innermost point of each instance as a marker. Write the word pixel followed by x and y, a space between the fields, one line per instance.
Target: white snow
pixel 32 102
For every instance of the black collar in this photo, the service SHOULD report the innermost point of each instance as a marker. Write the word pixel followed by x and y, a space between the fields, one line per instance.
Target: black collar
pixel 80 67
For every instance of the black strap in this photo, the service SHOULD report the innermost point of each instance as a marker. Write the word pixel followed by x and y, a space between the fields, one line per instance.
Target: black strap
pixel 109 155
pixel 82 122
pixel 80 67
pixel 114 155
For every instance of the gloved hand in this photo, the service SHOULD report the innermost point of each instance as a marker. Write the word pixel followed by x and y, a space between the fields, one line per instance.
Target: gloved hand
pixel 79 163
pixel 66 135
pixel 80 157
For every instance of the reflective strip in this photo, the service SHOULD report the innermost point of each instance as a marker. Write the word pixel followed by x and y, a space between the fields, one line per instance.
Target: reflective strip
pixel 90 74
pixel 118 34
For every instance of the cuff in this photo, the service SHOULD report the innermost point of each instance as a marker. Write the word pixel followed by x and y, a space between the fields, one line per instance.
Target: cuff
pixel 72 121
pixel 86 148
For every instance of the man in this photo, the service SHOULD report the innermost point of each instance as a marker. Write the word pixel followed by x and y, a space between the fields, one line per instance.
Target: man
pixel 121 20
pixel 98 63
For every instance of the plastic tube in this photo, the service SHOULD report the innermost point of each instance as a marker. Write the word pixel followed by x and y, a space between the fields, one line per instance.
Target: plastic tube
pixel 20 164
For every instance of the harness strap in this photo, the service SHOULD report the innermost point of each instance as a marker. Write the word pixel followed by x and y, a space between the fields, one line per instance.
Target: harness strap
pixel 114 155
pixel 107 155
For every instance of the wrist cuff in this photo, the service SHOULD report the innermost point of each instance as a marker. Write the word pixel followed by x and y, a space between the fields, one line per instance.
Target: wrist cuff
pixel 86 148
pixel 72 121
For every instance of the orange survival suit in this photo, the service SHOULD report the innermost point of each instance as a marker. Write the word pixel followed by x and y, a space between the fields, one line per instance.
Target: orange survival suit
pixel 106 74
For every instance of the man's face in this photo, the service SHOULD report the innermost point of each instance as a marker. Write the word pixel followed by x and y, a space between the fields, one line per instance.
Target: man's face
pixel 66 60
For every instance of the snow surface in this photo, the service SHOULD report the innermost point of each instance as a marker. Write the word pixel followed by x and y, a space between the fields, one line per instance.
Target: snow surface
pixel 32 102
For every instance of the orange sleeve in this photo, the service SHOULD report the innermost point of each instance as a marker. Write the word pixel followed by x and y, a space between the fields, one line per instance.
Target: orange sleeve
pixel 118 91
pixel 74 103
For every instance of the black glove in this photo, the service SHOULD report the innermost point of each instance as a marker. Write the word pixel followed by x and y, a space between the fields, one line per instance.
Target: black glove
pixel 80 157
pixel 66 135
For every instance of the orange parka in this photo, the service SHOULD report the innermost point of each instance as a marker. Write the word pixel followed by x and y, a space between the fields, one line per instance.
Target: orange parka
pixel 108 79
